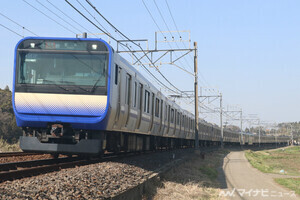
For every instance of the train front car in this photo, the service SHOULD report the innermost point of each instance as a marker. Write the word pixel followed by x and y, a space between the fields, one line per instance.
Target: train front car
pixel 61 94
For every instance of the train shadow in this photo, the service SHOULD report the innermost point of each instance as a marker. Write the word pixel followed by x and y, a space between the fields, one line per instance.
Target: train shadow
pixel 204 170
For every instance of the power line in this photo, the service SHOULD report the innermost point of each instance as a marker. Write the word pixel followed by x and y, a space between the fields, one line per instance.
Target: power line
pixel 93 17
pixel 115 40
pixel 49 17
pixel 160 13
pixel 161 30
pixel 18 24
pixel 183 43
pixel 66 14
pixel 172 17
pixel 57 15
pixel 11 30
pixel 133 43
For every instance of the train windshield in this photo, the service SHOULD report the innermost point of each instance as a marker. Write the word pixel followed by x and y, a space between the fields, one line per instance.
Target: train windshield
pixel 83 71
pixel 63 69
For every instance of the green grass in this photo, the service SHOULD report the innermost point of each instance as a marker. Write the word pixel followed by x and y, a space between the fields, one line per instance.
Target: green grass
pixel 291 183
pixel 257 160
pixel 210 172
pixel 272 161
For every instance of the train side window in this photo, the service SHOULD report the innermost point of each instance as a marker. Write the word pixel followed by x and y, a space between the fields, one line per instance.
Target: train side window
pixel 152 104
pixel 172 115
pixel 141 96
pixel 116 74
pixel 135 94
pixel 166 112
pixel 169 113
pixel 127 89
pixel 147 101
pixel 178 118
pixel 161 108
pixel 156 107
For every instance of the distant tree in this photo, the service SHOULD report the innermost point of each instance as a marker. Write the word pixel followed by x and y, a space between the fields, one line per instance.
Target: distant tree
pixel 9 130
pixel 6 88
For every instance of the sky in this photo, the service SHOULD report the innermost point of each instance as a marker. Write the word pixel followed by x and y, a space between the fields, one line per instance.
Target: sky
pixel 247 49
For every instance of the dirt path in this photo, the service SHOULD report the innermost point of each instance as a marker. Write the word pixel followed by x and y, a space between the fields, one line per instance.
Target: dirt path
pixel 245 182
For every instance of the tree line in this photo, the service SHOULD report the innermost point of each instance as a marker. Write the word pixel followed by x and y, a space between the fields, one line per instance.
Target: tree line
pixel 9 131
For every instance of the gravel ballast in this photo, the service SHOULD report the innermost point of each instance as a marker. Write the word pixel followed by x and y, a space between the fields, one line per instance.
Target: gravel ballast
pixel 95 181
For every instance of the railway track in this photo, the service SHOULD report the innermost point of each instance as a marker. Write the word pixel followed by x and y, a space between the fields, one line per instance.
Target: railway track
pixel 10 154
pixel 18 170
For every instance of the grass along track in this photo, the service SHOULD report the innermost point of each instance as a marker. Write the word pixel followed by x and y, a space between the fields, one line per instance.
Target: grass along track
pixel 196 178
pixel 291 183
pixel 279 161
pixel 274 161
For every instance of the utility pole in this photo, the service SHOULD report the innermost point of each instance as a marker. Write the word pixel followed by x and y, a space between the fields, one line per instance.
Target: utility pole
pixel 221 112
pixel 292 144
pixel 221 121
pixel 241 118
pixel 196 97
pixel 258 133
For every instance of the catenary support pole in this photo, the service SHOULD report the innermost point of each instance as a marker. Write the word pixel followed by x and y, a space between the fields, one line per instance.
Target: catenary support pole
pixel 196 98
pixel 221 121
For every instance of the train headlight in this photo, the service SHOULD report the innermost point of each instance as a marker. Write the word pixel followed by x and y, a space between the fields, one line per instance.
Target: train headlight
pixel 32 45
pixel 94 46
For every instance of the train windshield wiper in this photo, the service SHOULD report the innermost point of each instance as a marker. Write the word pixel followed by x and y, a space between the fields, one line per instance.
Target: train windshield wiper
pixel 95 85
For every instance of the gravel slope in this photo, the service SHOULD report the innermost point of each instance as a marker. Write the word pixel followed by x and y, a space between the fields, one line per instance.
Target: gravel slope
pixel 95 181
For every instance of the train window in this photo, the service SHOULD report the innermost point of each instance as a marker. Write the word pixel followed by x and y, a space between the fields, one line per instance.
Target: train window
pixel 166 112
pixel 172 115
pixel 127 89
pixel 156 107
pixel 135 94
pixel 178 118
pixel 141 96
pixel 169 113
pixel 116 74
pixel 186 120
pixel 152 106
pixel 147 101
pixel 161 108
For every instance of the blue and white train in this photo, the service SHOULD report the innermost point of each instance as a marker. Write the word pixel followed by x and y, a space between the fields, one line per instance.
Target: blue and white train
pixel 77 96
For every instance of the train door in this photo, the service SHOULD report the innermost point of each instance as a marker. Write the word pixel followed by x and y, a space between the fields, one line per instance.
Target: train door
pixel 127 104
pixel 118 83
pixel 140 106
pixel 160 130
pixel 152 112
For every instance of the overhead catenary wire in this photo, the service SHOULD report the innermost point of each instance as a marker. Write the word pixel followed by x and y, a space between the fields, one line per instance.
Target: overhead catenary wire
pixel 18 24
pixel 11 30
pixel 149 12
pixel 66 15
pixel 57 15
pixel 49 17
pixel 133 43
pixel 169 9
pixel 106 31
pixel 161 15
pixel 116 40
